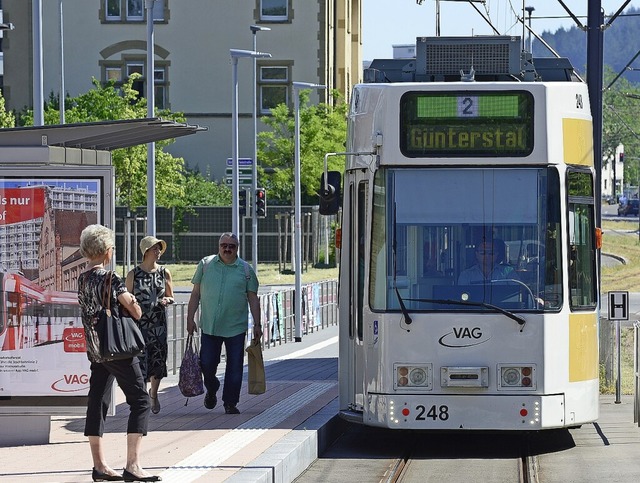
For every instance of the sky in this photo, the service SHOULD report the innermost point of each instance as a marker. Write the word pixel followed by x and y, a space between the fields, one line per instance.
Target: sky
pixel 392 22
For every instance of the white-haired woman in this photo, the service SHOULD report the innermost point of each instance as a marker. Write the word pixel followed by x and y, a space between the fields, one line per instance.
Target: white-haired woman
pixel 97 245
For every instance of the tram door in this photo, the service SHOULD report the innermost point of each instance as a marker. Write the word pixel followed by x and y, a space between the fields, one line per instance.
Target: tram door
pixel 359 243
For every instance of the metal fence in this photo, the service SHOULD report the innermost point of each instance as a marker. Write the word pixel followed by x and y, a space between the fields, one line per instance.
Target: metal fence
pixel 319 311
pixel 636 373
pixel 204 226
pixel 608 352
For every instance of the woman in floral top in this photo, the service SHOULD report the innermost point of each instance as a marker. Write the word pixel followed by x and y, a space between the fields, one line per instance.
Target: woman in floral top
pixel 152 287
pixel 97 244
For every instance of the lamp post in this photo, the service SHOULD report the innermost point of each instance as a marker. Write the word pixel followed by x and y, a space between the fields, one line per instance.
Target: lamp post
pixel 151 147
pixel 38 87
pixel 62 99
pixel 298 206
pixel 235 55
pixel 254 183
pixel 530 10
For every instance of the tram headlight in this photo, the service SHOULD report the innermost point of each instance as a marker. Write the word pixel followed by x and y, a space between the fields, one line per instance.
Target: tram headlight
pixel 512 376
pixel 418 376
pixel 412 376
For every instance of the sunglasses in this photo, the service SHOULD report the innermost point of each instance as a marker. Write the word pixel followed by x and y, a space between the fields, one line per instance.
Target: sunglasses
pixel 231 246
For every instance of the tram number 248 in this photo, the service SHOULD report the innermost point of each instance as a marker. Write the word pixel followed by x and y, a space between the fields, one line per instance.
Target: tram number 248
pixel 434 413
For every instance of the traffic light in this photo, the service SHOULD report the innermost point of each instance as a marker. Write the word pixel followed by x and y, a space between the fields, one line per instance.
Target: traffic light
pixel 261 203
pixel 621 157
pixel 242 202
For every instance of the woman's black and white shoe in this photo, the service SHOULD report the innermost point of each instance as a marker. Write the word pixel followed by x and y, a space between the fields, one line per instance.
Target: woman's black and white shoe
pixel 128 476
pixel 99 476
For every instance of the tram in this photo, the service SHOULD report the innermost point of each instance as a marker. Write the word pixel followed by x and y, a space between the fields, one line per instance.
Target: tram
pixel 31 316
pixel 469 293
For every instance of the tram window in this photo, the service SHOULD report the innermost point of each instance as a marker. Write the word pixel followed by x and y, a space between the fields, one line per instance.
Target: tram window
pixel 420 246
pixel 582 272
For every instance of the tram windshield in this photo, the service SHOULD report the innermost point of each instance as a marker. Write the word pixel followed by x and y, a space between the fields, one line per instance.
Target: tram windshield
pixel 466 238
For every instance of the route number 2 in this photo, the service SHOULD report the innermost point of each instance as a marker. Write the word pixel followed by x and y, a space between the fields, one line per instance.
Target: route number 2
pixel 434 413
pixel 468 106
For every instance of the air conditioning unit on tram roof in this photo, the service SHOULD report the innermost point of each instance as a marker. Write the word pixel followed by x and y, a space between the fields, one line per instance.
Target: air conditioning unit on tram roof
pixel 448 56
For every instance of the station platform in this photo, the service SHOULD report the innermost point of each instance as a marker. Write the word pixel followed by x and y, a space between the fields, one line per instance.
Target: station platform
pixel 280 433
pixel 276 436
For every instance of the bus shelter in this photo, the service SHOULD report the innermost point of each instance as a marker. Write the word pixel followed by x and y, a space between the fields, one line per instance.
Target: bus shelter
pixel 54 181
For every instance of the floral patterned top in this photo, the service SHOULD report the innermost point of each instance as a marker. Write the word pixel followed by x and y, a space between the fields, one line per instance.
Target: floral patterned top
pixel 91 285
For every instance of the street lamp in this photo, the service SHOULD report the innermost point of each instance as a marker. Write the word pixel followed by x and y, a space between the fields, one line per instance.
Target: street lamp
pixel 38 87
pixel 235 55
pixel 254 183
pixel 298 206
pixel 151 147
pixel 530 10
pixel 62 99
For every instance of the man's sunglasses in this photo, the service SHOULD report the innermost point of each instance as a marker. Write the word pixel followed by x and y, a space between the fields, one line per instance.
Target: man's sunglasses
pixel 231 246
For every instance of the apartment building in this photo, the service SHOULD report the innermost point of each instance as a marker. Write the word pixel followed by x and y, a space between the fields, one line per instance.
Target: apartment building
pixel 309 41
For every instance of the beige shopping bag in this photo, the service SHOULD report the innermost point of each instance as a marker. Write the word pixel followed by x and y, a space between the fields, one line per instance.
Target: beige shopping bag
pixel 257 383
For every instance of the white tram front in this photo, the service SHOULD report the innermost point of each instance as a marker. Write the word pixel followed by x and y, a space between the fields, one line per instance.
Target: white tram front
pixel 468 277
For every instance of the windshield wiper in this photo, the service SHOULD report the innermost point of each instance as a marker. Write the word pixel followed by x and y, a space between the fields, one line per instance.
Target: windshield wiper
pixel 511 315
pixel 403 308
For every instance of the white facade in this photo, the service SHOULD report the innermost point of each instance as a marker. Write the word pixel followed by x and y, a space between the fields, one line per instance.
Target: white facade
pixel 309 41
pixel 612 170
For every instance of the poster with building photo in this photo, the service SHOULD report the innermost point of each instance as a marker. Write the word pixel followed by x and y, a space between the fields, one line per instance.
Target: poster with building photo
pixel 42 344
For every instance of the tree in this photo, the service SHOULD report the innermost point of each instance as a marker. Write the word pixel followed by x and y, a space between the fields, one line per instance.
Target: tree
pixel 7 119
pixel 323 129
pixel 620 123
pixel 176 187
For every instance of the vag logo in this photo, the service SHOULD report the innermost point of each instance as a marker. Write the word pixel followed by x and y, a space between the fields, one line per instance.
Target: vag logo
pixel 463 337
pixel 71 383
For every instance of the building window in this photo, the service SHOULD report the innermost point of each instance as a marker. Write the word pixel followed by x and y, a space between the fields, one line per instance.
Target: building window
pixel 135 10
pixel 274 10
pixel 273 86
pixel 113 10
pixel 114 72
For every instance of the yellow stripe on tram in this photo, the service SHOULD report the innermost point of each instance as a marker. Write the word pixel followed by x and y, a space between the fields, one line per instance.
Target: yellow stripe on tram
pixel 578 141
pixel 583 347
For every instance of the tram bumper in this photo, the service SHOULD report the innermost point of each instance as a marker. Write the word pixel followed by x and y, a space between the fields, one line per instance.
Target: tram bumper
pixel 466 412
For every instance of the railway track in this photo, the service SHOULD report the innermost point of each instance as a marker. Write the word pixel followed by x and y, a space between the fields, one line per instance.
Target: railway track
pixel 378 456
pixel 410 470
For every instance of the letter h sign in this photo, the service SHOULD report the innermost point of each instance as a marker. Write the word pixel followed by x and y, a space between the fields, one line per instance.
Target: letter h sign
pixel 618 305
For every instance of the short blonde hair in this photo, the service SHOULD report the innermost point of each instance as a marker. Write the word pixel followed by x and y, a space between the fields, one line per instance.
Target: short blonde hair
pixel 95 240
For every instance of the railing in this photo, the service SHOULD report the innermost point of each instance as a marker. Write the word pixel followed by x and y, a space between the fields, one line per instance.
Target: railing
pixel 319 311
pixel 636 373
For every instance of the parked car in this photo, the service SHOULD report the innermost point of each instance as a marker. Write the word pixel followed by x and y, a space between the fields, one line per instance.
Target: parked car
pixel 629 208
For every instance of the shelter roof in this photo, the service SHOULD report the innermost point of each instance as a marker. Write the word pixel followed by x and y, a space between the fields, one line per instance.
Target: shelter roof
pixel 103 135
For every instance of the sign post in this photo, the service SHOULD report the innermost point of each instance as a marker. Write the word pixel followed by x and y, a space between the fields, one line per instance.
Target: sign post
pixel 618 310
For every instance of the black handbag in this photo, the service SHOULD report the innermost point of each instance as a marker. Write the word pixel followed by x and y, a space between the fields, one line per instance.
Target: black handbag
pixel 118 333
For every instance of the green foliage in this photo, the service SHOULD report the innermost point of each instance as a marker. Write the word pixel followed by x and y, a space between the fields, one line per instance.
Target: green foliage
pixel 201 191
pixel 175 186
pixel 323 129
pixel 620 124
pixel 7 119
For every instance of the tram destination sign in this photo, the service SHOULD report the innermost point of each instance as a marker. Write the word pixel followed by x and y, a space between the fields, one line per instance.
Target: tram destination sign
pixel 466 124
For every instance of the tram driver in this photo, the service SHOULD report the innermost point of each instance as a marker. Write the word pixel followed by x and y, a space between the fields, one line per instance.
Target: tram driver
pixel 489 257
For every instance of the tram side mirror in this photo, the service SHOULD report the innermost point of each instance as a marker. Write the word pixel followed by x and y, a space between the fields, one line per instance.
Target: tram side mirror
pixel 330 199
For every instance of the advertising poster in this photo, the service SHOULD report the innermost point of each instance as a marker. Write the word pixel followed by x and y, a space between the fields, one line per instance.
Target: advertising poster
pixel 42 344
